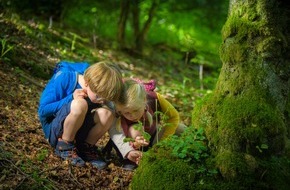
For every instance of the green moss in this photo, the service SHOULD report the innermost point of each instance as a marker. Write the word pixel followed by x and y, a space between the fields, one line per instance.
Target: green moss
pixel 157 172
pixel 274 173
pixel 245 27
pixel 230 163
pixel 241 127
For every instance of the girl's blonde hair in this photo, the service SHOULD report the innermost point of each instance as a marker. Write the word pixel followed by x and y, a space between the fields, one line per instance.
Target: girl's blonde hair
pixel 105 79
pixel 134 94
pixel 134 97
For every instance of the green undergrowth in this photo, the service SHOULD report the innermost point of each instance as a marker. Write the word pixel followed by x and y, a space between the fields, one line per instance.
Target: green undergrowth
pixel 185 163
pixel 177 163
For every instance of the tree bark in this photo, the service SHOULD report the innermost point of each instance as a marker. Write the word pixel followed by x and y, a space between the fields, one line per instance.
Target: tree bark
pixel 247 117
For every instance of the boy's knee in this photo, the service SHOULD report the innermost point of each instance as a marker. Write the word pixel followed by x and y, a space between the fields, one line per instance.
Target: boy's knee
pixel 79 106
pixel 104 115
pixel 103 112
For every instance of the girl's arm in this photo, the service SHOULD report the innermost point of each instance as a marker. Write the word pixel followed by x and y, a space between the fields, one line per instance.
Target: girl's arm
pixel 171 114
pixel 117 135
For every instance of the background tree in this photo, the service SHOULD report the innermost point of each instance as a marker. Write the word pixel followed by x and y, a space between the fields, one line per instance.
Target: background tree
pixel 245 119
pixel 124 13
pixel 139 33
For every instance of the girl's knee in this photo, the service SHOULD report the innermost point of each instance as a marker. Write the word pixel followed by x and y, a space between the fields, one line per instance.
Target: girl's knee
pixel 180 129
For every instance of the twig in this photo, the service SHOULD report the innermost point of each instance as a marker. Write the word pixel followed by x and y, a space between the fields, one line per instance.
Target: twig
pixel 31 80
pixel 26 176
pixel 49 169
pixel 156 123
pixel 73 177
pixel 18 169
pixel 201 76
pixel 23 173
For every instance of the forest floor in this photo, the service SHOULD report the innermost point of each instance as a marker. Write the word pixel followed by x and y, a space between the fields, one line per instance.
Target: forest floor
pixel 26 159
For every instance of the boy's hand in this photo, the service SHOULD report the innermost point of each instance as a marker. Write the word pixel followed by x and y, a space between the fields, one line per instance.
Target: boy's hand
pixel 135 156
pixel 140 141
pixel 80 93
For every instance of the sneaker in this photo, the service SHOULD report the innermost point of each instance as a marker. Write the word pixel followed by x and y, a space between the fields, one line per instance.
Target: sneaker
pixel 90 153
pixel 67 151
pixel 129 165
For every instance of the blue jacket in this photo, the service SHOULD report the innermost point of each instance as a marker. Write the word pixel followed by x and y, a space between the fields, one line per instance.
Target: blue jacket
pixel 58 91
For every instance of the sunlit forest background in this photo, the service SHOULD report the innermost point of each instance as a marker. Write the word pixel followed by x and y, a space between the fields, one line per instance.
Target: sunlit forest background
pixel 181 39
pixel 175 42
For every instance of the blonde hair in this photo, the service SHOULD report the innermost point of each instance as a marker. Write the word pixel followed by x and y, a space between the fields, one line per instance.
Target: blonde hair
pixel 134 94
pixel 105 79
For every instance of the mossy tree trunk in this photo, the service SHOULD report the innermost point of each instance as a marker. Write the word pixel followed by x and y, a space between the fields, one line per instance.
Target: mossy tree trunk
pixel 246 118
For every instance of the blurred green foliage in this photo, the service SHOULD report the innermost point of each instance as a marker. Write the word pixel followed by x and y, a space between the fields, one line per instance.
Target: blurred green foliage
pixel 183 36
pixel 184 25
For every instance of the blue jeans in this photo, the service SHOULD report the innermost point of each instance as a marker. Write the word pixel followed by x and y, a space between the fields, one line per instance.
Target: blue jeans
pixel 56 129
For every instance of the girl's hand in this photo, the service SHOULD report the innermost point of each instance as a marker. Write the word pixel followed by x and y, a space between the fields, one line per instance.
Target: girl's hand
pixel 139 142
pixel 135 156
pixel 80 93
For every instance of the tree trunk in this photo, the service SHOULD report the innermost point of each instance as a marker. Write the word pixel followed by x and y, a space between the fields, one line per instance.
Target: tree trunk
pixel 246 118
pixel 248 111
pixel 140 37
pixel 135 17
pixel 125 7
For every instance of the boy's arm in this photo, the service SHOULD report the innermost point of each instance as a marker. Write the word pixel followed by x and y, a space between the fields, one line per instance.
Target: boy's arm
pixel 171 114
pixel 58 92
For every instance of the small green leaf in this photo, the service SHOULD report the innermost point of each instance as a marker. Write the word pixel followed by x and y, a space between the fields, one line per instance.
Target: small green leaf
pixel 264 146
pixel 128 140
pixel 146 136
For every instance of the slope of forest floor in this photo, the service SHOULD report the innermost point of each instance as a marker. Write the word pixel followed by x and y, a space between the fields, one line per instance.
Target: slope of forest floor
pixel 26 159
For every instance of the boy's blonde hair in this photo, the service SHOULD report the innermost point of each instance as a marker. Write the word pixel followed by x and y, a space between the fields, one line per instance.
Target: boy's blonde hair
pixel 134 94
pixel 105 79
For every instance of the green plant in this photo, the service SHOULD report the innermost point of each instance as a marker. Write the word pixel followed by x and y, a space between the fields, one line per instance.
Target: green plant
pixel 139 127
pixel 162 121
pixel 191 148
pixel 5 49
pixel 262 147
pixel 42 154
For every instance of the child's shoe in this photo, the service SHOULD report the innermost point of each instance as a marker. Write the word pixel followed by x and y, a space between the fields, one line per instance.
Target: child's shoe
pixel 67 151
pixel 129 165
pixel 90 153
